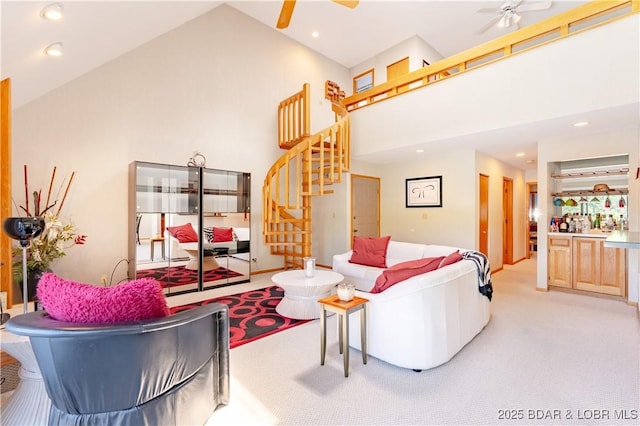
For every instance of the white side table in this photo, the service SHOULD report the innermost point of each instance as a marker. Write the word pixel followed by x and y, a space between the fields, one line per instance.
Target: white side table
pixel 29 404
pixel 301 293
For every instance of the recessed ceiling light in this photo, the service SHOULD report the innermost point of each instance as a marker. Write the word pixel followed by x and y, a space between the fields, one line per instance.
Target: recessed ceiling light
pixel 581 123
pixel 53 12
pixel 315 34
pixel 419 151
pixel 530 161
pixel 520 154
pixel 54 49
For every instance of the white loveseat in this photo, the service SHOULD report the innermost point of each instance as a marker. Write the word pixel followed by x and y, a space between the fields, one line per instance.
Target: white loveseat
pixel 423 321
pixel 176 250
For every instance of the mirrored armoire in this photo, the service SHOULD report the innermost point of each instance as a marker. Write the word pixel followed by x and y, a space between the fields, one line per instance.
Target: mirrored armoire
pixel 189 227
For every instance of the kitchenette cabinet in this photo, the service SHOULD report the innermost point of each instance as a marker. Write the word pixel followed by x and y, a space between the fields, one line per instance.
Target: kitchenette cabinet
pixel 560 261
pixel 582 262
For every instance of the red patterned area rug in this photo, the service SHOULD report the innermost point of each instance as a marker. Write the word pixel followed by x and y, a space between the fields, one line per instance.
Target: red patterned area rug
pixel 252 314
pixel 179 275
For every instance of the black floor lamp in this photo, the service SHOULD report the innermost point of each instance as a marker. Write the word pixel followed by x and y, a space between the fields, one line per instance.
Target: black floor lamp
pixel 24 229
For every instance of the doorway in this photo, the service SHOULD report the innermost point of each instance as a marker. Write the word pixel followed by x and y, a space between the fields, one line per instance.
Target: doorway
pixel 507 214
pixel 483 237
pixel 532 219
pixel 365 206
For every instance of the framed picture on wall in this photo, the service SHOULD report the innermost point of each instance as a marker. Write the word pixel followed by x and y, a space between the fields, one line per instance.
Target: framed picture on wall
pixel 424 192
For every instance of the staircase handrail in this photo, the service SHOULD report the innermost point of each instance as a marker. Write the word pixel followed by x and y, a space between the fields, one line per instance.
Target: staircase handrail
pixel 297 152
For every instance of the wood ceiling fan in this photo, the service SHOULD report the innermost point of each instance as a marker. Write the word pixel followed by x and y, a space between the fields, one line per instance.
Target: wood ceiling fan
pixel 288 5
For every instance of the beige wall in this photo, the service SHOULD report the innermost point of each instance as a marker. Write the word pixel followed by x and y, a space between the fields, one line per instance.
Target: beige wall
pixel 205 86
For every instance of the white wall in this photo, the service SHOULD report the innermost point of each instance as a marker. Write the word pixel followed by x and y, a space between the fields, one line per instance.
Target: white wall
pixel 542 84
pixel 206 86
pixel 452 224
pixel 497 170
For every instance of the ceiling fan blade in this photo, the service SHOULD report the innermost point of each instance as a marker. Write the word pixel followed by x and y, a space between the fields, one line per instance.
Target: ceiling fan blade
pixel 488 10
pixel 534 6
pixel 349 3
pixel 285 14
pixel 489 24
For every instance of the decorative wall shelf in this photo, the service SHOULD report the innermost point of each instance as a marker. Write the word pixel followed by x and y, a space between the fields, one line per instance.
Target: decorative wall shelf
pixel 595 173
pixel 622 191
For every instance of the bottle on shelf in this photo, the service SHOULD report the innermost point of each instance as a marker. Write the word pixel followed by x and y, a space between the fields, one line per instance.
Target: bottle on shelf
pixel 564 226
pixel 586 225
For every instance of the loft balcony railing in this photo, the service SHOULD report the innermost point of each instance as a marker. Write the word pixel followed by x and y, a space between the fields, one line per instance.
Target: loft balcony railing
pixel 575 21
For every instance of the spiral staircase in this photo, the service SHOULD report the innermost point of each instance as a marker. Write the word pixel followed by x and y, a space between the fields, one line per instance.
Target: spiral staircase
pixel 310 166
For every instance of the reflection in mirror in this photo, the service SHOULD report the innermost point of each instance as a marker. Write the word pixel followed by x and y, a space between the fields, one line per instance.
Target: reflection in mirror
pixel 166 241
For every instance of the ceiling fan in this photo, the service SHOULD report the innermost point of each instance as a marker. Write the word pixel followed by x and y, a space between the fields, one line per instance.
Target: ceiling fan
pixel 288 5
pixel 509 13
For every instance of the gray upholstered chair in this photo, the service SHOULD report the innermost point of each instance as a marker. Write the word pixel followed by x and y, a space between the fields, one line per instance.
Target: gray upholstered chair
pixel 166 371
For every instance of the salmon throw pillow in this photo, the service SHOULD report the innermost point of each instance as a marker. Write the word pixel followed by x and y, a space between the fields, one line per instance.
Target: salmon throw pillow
pixel 184 233
pixel 370 251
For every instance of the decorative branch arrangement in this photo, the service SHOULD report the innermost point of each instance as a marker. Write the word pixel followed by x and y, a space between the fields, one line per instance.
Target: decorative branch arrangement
pixel 57 236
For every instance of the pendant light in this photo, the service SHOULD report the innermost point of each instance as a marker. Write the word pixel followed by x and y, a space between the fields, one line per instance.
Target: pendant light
pixel 621 202
pixel 607 203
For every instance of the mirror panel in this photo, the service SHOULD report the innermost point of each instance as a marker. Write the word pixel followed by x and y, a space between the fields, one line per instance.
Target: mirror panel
pixel 164 197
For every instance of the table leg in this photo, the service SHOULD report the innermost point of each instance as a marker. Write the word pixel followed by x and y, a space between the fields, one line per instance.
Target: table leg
pixel 152 247
pixel 363 332
pixel 345 342
pixel 323 334
pixel 340 338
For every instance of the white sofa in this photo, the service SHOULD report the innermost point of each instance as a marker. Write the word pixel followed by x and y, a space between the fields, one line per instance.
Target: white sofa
pixel 421 322
pixel 176 250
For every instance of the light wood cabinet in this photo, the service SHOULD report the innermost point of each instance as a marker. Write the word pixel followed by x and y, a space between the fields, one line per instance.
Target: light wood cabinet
pixel 584 263
pixel 560 261
pixel 598 268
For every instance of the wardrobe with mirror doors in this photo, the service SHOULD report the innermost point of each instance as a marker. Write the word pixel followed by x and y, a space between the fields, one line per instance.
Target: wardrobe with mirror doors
pixel 189 227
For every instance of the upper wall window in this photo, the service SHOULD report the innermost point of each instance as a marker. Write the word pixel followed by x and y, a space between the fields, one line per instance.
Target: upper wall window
pixel 362 82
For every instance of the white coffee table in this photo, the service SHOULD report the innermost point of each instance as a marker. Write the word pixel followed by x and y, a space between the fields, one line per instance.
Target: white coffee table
pixel 301 293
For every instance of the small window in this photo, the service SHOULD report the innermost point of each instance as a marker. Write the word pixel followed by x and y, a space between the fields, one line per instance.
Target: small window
pixel 363 81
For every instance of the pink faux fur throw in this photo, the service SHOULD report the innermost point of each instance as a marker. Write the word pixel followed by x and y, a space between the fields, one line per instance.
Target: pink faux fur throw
pixel 72 301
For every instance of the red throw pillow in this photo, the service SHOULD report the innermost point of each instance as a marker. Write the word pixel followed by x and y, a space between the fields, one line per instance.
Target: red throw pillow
pixel 404 270
pixel 451 258
pixel 184 233
pixel 221 235
pixel 71 301
pixel 370 251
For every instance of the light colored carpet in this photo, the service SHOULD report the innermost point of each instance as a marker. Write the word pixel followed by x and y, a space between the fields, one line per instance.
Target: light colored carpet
pixel 571 356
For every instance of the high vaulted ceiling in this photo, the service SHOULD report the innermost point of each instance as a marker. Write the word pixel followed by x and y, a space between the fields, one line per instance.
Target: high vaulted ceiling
pixel 95 32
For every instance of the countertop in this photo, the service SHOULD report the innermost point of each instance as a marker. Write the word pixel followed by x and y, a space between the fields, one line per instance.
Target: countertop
pixel 623 239
pixel 594 233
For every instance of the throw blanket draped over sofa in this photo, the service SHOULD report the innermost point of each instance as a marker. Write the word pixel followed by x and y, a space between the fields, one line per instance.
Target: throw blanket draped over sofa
pixel 422 321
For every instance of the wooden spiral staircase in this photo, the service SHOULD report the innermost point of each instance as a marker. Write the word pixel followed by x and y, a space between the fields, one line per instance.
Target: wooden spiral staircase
pixel 310 166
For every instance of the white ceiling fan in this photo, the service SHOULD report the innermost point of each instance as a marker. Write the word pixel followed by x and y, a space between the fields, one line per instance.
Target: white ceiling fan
pixel 288 5
pixel 509 13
